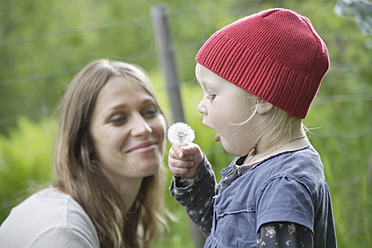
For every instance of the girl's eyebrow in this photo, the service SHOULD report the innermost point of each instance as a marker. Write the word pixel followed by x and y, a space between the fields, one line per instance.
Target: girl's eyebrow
pixel 208 87
pixel 204 88
pixel 202 83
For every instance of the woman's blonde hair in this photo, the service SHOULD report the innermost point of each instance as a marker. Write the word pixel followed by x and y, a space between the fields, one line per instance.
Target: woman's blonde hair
pixel 79 174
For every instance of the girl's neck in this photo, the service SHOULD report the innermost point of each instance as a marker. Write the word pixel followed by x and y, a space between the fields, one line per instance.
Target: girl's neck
pixel 264 150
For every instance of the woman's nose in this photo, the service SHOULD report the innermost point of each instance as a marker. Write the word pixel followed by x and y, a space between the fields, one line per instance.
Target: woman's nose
pixel 140 126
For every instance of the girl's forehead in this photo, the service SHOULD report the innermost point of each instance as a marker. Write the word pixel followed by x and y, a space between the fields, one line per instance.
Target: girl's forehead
pixel 198 72
pixel 210 80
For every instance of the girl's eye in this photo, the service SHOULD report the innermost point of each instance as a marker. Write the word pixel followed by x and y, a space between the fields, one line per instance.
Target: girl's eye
pixel 211 96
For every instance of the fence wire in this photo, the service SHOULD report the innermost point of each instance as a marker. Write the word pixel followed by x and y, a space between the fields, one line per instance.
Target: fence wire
pixel 36 80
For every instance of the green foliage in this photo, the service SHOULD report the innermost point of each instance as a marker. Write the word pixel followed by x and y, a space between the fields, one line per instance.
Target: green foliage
pixel 25 158
pixel 43 45
pixel 178 232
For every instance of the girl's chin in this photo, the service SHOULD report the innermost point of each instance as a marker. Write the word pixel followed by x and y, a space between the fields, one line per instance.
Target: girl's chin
pixel 230 150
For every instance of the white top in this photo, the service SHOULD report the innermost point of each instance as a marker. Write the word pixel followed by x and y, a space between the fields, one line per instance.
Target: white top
pixel 48 218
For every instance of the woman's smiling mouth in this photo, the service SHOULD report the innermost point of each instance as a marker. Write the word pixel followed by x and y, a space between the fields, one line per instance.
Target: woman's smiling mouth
pixel 144 147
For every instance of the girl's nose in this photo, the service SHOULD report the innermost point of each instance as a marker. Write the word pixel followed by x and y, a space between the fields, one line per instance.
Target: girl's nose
pixel 201 107
pixel 140 126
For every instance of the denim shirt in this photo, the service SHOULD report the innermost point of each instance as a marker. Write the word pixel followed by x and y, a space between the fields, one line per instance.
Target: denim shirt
pixel 287 187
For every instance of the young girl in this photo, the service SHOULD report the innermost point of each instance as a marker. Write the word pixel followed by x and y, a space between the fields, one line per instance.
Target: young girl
pixel 259 76
pixel 108 156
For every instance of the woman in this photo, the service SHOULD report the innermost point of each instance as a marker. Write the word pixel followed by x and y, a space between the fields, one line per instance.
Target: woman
pixel 108 155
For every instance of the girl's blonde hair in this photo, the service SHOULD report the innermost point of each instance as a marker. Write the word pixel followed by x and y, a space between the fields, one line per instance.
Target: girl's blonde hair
pixel 277 123
pixel 274 124
pixel 80 175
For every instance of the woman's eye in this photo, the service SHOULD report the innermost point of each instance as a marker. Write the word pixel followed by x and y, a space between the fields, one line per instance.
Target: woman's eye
pixel 117 119
pixel 150 111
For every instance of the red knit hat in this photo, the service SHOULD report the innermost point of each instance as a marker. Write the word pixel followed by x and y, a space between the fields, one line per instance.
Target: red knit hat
pixel 275 54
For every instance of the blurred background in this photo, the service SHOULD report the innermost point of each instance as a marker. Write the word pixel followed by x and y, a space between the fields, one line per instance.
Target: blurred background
pixel 43 44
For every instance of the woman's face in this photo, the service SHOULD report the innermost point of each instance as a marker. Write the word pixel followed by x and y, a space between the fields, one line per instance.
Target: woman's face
pixel 224 106
pixel 128 130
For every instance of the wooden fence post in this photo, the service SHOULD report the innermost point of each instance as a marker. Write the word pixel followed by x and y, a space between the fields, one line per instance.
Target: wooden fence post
pixel 164 43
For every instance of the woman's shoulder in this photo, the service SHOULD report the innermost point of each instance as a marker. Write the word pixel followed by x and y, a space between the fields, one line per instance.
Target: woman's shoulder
pixel 44 213
pixel 51 203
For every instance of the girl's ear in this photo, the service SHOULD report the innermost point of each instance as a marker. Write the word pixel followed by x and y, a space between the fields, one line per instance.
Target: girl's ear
pixel 263 107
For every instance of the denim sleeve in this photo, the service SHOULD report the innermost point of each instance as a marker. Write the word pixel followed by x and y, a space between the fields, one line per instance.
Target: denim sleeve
pixel 197 197
pixel 285 198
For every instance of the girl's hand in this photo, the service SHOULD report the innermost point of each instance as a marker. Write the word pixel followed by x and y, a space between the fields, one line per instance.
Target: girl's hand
pixel 184 161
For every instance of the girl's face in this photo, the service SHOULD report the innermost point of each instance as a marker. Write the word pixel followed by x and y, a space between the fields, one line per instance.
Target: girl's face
pixel 224 107
pixel 127 130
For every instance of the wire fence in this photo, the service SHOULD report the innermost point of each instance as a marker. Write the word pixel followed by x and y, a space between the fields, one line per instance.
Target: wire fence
pixel 41 75
pixel 35 80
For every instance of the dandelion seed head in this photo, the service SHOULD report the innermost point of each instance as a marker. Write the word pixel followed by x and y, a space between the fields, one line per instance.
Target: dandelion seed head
pixel 180 133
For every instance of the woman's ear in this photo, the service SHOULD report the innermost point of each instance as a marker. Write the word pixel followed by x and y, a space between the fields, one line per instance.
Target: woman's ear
pixel 263 107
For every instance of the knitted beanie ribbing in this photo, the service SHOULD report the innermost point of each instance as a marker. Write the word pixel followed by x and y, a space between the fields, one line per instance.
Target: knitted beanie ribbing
pixel 275 54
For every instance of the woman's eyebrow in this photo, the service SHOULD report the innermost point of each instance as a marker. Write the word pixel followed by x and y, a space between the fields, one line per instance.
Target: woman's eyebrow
pixel 148 101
